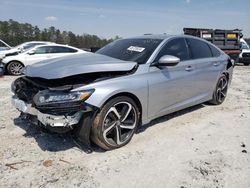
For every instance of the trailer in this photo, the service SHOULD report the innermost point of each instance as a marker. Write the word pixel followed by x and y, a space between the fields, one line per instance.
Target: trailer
pixel 226 40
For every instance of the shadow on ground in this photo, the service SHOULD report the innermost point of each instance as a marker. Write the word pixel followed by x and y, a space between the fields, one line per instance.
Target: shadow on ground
pixel 54 142
pixel 48 141
pixel 170 116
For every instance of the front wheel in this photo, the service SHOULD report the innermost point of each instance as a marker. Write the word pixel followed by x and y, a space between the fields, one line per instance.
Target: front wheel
pixel 116 123
pixel 15 68
pixel 220 92
pixel 246 64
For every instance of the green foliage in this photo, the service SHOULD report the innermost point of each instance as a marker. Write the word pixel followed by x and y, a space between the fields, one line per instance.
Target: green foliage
pixel 15 33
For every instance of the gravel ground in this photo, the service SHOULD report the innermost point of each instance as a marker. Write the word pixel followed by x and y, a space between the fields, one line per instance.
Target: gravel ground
pixel 203 146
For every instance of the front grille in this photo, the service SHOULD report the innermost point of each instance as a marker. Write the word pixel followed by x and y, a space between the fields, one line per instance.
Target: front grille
pixel 246 55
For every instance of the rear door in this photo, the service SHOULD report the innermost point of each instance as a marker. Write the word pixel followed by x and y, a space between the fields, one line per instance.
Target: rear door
pixel 206 67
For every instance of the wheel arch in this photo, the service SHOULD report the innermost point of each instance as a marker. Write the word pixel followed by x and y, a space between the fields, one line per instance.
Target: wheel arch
pixel 227 75
pixel 7 65
pixel 14 61
pixel 133 97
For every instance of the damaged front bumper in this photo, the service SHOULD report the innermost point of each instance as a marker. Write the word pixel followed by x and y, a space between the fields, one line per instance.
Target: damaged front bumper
pixel 61 119
pixel 47 119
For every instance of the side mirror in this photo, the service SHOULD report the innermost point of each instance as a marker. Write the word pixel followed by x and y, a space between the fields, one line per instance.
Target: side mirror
pixel 168 60
pixel 31 52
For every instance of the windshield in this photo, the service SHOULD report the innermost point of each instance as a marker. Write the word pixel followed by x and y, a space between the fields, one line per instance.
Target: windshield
pixel 26 46
pixel 19 46
pixel 244 46
pixel 137 50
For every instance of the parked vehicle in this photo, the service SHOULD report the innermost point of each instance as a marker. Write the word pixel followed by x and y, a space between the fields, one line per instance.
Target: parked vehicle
pixel 226 40
pixel 244 56
pixel 21 48
pixel 105 96
pixel 14 64
pixel 4 46
pixel 1 69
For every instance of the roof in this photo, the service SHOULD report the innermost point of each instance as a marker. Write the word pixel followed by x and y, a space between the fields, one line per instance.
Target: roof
pixel 55 44
pixel 153 36
pixel 162 36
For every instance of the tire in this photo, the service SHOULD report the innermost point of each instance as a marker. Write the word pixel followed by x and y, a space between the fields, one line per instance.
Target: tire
pixel 14 68
pixel 220 92
pixel 116 123
pixel 246 64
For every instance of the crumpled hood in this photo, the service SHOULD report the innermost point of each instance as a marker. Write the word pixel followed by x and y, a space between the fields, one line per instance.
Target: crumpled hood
pixel 75 65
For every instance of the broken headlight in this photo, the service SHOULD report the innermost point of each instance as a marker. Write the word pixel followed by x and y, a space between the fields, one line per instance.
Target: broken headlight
pixel 48 97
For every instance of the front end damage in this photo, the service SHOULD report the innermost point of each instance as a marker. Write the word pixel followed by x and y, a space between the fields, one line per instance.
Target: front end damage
pixel 48 94
pixel 57 114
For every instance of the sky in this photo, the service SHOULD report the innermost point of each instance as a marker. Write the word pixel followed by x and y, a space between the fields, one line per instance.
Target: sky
pixel 126 18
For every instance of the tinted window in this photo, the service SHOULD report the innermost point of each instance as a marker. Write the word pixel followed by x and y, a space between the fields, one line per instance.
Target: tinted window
pixel 199 49
pixel 137 50
pixel 175 47
pixel 42 50
pixel 61 49
pixel 215 52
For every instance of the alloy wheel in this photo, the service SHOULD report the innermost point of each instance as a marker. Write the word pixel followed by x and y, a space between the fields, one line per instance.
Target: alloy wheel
pixel 222 89
pixel 15 68
pixel 119 123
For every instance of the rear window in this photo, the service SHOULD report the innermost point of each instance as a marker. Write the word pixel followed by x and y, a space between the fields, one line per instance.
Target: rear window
pixel 61 49
pixel 199 49
pixel 215 52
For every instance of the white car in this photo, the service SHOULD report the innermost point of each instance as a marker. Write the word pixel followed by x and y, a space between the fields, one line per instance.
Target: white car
pixel 244 56
pixel 15 64
pixel 21 48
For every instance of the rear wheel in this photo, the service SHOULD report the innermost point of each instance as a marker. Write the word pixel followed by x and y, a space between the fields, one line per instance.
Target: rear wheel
pixel 246 64
pixel 115 124
pixel 220 92
pixel 14 68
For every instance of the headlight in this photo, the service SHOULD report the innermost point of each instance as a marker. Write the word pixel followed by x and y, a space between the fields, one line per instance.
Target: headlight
pixel 45 97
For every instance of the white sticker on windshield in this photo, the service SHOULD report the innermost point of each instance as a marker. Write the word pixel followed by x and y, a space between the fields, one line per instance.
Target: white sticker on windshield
pixel 136 49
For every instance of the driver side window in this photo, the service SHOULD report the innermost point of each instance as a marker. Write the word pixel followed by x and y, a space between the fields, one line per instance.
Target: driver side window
pixel 42 50
pixel 176 47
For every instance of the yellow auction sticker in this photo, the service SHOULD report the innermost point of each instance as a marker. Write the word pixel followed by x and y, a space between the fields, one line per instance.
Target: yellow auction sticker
pixel 231 35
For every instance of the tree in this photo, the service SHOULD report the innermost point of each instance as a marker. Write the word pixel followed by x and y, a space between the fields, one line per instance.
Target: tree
pixel 15 33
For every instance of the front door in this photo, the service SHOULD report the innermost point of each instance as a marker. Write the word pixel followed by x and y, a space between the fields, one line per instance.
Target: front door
pixel 171 87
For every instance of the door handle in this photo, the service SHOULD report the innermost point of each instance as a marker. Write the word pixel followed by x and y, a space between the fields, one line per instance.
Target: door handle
pixel 189 68
pixel 216 64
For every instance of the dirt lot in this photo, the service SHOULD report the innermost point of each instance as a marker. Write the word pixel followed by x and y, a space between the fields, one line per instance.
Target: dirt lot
pixel 204 146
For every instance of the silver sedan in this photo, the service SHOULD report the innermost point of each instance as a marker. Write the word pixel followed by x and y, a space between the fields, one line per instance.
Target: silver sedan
pixel 104 97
